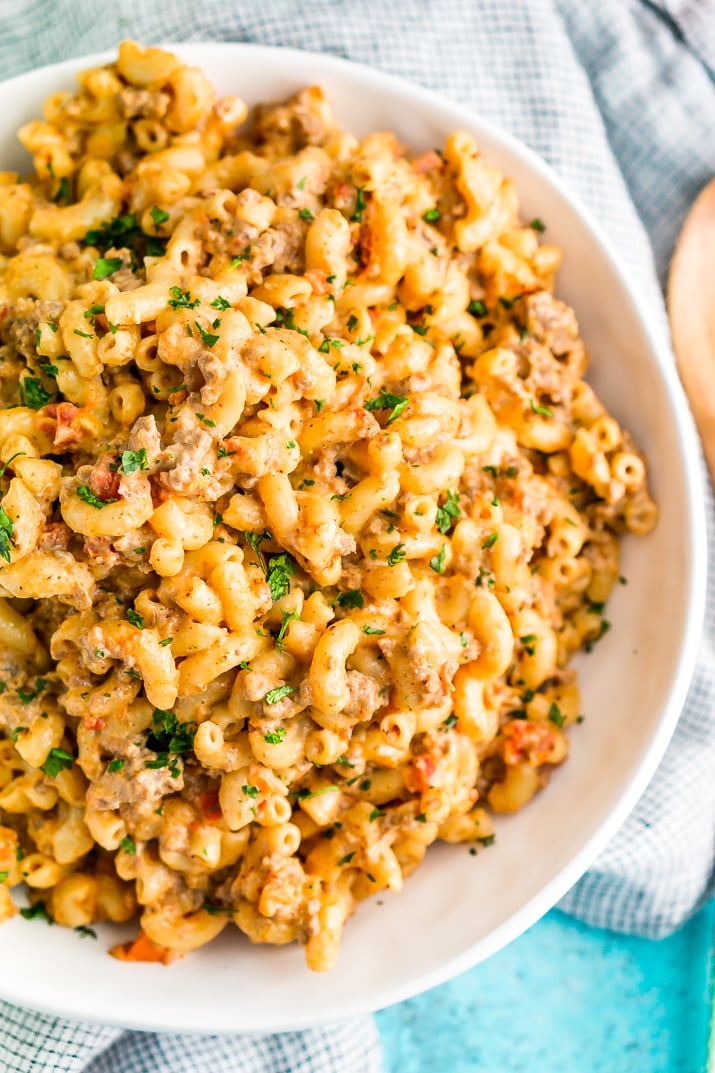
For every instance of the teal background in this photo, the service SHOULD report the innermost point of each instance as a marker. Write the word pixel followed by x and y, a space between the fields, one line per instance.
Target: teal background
pixel 565 998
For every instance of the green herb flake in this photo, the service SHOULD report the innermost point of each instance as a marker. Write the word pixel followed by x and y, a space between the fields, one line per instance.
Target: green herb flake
pixel 206 420
pixel 134 460
pixel 63 191
pixel 135 618
pixel 351 599
pixel 85 493
pixel 128 845
pixel 207 338
pixel 281 568
pixel 275 737
pixel 555 715
pixel 543 411
pixel 437 562
pixel 159 216
pixel 397 555
pixel 448 512
pixel 106 266
pixel 449 721
pixel 376 814
pixel 58 760
pixel 115 765
pixel 84 932
pixel 477 308
pixel 33 393
pixel 26 697
pixel 6 532
pixel 273 696
pixel 372 631
pixel 490 541
pixel 529 642
pixel 36 912
pixel 220 303
pixel 360 205
pixel 537 224
pixel 431 216
pixel 306 214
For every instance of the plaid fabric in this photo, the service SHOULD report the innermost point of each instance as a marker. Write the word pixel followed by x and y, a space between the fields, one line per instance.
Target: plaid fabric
pixel 618 96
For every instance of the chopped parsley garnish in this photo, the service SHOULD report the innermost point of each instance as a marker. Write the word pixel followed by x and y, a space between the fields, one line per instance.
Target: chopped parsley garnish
pixel 6 531
pixel 36 912
pixel 159 216
pixel 397 555
pixel 372 631
pixel 544 411
pixel 106 266
pixel 58 760
pixel 375 814
pixel 437 562
pixel 352 598
pixel 207 338
pixel 49 370
pixel 165 642
pixel 287 618
pixel 275 737
pixel 555 715
pixel 511 471
pixel 305 794
pixel 134 460
pixel 206 420
pixel 135 618
pixel 347 858
pixel 281 568
pixel 387 401
pixel 449 721
pixel 128 844
pixel 250 791
pixel 220 303
pixel 254 541
pixel 169 735
pixel 33 393
pixel 431 216
pixel 529 642
pixel 326 345
pixel 360 205
pixel 490 541
pixel 477 308
pixel 84 335
pixel 273 696
pixel 63 191
pixel 182 299
pixel 537 224
pixel 306 214
pixel 507 303
pixel 115 765
pixel 352 322
pixel 85 493
pixel 16 733
pixel 84 932
pixel 25 697
pixel 487 840
pixel 3 876
pixel 448 512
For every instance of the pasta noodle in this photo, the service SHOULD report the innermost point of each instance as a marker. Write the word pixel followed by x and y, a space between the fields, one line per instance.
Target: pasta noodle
pixel 305 508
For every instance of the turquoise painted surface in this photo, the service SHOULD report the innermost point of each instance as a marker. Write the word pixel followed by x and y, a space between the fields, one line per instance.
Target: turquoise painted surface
pixel 565 998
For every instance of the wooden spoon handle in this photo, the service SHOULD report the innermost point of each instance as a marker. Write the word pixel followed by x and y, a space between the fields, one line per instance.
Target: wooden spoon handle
pixel 691 307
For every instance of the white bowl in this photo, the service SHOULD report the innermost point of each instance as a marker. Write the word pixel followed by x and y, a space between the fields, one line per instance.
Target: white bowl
pixel 457 909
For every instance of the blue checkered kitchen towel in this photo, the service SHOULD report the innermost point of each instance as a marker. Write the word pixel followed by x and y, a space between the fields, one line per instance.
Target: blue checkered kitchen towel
pixel 619 97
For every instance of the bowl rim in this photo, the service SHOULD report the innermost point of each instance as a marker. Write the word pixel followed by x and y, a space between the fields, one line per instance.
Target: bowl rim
pixel 697 551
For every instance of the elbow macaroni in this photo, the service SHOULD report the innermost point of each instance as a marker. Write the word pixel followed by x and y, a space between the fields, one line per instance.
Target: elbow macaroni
pixel 305 507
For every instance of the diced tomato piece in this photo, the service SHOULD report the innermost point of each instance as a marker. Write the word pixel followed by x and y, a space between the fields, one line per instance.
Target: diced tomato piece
pixel 419 773
pixel 524 740
pixel 141 949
